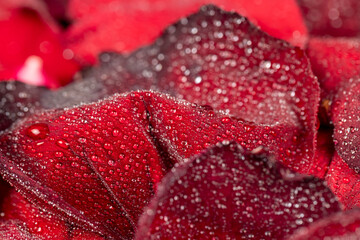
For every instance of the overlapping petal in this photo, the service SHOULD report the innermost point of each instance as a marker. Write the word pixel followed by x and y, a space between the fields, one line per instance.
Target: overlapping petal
pixel 229 193
pixel 127 25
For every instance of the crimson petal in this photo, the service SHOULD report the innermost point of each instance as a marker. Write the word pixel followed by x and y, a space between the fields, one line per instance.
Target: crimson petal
pixel 341 226
pixel 14 230
pixel 345 112
pixel 332 17
pixel 334 61
pixel 229 193
pixel 30 47
pixel 39 224
pixel 109 156
pixel 344 182
pixel 203 67
pixel 100 182
pixel 122 26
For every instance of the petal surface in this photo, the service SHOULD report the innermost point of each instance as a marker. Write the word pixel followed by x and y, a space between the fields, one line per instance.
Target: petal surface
pixel 122 26
pixel 341 226
pixel 332 17
pixel 229 193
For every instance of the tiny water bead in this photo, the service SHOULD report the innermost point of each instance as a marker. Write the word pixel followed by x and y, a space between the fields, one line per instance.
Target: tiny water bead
pixel 38 131
pixel 62 143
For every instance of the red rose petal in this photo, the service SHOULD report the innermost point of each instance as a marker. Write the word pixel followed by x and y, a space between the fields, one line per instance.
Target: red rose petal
pixel 109 156
pixel 345 112
pixel 341 226
pixel 57 8
pixel 332 17
pixel 269 91
pixel 203 68
pixel 4 191
pixel 324 152
pixel 14 230
pixel 102 154
pixel 38 223
pixel 344 182
pixel 122 26
pixel 334 61
pixel 81 235
pixel 228 193
pixel 30 50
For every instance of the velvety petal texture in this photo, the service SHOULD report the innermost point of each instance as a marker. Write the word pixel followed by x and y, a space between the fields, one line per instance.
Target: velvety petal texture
pixel 340 226
pixel 110 155
pixel 334 61
pixel 332 17
pixel 126 25
pixel 229 193
pixel 344 182
pixel 203 68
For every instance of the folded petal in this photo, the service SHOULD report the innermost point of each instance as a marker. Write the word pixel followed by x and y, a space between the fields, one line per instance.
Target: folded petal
pixel 342 225
pixel 128 25
pixel 97 165
pixel 203 68
pixel 345 112
pixel 334 61
pixel 332 17
pixel 39 224
pixel 229 193
pixel 344 182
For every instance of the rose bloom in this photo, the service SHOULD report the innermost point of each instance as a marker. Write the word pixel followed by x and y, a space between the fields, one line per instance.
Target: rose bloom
pixel 194 119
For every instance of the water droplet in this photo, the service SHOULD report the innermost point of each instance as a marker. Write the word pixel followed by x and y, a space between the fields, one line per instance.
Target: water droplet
pixel 59 154
pixel 62 143
pixel 38 131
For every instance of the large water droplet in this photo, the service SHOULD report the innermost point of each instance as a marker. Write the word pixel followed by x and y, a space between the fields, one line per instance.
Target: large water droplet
pixel 38 131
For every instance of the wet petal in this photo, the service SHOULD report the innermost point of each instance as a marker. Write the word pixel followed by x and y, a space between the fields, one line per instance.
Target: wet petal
pixel 203 68
pixel 38 223
pixel 345 112
pixel 109 156
pixel 334 61
pixel 332 17
pixel 344 182
pixel 122 27
pixel 14 230
pixel 230 193
pixel 342 226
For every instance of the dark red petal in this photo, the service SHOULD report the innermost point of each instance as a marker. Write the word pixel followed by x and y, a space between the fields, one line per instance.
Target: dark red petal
pixel 14 230
pixel 334 61
pixel 57 8
pixel 332 17
pixel 81 235
pixel 38 223
pixel 103 156
pixel 129 25
pixel 203 67
pixel 228 193
pixel 31 50
pixel 4 192
pixel 345 112
pixel 109 156
pixel 344 182
pixel 324 152
pixel 340 226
